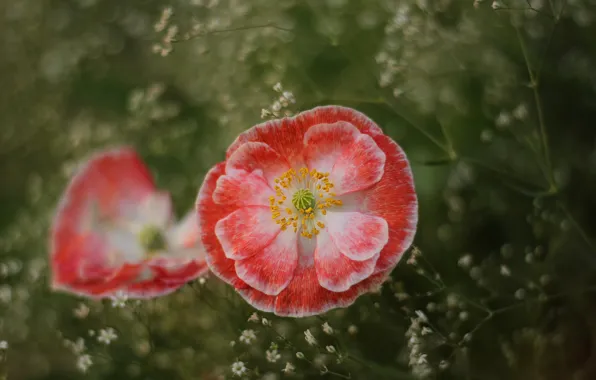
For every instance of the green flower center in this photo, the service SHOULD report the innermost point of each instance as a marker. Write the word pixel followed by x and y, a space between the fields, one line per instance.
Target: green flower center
pixel 152 239
pixel 304 199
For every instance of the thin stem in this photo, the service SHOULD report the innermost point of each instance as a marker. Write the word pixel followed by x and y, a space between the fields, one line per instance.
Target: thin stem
pixel 577 226
pixel 450 150
pixel 419 128
pixel 236 29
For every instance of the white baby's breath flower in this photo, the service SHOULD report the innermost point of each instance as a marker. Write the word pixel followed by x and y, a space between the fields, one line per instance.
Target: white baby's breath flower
pixel 82 311
pixel 119 299
pixel 520 112
pixel 84 362
pixel 276 106
pixel 289 96
pixel 254 317
pixel 465 261
pixel 238 368
pixel 505 271
pixel 330 349
pixel 504 119
pixel 289 368
pixel 78 347
pixel 106 336
pixel 265 113
pixel 248 336
pixel 272 355
pixel 299 355
pixel 421 315
pixel 520 294
pixel 310 339
pixel 327 329
pixel 3 345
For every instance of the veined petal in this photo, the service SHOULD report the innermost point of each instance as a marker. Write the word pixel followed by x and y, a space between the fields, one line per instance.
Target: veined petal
pixel 209 214
pixel 186 233
pixel 335 271
pixel 358 166
pixel 79 253
pixel 324 143
pixel 304 296
pixel 272 269
pixel 246 231
pixel 155 210
pixel 149 289
pixel 286 135
pixel 241 188
pixel 259 157
pixel 356 235
pixel 394 199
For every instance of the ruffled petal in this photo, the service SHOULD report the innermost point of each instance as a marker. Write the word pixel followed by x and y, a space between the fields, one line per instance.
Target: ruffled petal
pixel 150 289
pixel 209 213
pixel 246 231
pixel 356 235
pixel 286 135
pixel 335 271
pixel 305 297
pixel 394 199
pixel 358 167
pixel 258 300
pixel 186 233
pixel 241 189
pixel 271 270
pixel 324 143
pixel 79 252
pixel 259 157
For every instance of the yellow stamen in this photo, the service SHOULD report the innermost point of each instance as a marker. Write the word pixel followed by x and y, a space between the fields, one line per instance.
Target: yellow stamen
pixel 303 207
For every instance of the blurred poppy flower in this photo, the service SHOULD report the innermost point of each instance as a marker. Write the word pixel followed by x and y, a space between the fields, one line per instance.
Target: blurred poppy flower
pixel 114 233
pixel 307 213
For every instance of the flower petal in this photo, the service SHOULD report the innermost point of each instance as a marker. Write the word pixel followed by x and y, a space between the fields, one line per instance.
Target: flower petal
pixel 150 289
pixel 356 235
pixel 78 250
pixel 186 233
pixel 394 199
pixel 271 270
pixel 324 143
pixel 260 157
pixel 209 213
pixel 305 297
pixel 124 247
pixel 246 231
pixel 335 271
pixel 285 136
pixel 358 167
pixel 241 189
pixel 258 300
pixel 178 269
pixel 155 210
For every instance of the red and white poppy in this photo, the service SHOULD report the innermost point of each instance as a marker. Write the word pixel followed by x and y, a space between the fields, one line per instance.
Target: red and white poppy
pixel 307 213
pixel 114 233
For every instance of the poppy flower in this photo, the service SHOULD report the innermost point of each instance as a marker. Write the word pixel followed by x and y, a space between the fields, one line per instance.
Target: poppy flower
pixel 309 212
pixel 114 233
